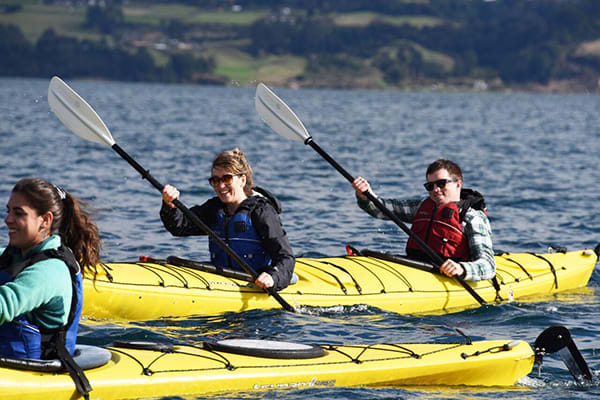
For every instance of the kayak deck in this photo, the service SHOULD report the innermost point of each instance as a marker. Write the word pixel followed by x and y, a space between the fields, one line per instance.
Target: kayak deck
pixel 150 290
pixel 190 370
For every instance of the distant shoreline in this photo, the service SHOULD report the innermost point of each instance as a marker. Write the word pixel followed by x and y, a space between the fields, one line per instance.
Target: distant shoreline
pixel 476 86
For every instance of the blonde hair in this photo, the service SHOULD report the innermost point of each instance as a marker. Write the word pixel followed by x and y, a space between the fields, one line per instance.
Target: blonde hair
pixel 235 162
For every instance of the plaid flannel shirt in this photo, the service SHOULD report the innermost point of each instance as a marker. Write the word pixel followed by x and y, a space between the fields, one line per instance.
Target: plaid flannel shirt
pixel 476 228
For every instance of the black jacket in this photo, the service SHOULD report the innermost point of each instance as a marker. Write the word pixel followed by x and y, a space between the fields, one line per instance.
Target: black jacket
pixel 264 210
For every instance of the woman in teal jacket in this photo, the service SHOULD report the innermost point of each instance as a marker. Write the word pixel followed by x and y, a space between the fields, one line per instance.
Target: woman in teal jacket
pixel 49 234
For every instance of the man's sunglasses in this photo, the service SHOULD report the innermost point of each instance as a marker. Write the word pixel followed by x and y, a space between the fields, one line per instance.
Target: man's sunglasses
pixel 441 183
pixel 227 179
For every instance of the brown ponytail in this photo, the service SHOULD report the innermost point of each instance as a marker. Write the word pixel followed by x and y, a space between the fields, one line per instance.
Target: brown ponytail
pixel 71 220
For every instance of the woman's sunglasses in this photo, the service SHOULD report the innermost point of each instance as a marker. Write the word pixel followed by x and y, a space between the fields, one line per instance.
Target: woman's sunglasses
pixel 227 179
pixel 441 183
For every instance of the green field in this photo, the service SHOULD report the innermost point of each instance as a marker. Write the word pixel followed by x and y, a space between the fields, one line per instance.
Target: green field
pixel 154 14
pixel 34 19
pixel 243 69
pixel 434 57
pixel 365 18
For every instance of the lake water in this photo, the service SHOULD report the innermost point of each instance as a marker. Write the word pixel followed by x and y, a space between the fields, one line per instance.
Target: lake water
pixel 536 158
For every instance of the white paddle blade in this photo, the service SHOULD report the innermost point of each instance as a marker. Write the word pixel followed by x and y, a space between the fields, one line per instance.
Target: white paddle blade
pixel 278 115
pixel 76 114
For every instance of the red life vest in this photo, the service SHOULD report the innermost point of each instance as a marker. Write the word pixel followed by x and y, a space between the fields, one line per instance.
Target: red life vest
pixel 440 227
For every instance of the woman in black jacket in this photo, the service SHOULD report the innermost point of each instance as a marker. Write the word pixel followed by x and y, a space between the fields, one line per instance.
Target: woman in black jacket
pixel 244 217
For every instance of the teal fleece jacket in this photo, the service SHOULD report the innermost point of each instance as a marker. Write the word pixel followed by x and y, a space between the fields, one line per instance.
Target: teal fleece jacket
pixel 42 292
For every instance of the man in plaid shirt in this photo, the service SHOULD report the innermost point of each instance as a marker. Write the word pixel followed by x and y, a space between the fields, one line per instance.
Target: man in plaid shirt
pixel 451 220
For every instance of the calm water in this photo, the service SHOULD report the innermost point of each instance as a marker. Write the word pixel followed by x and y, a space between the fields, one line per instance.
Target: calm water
pixel 535 157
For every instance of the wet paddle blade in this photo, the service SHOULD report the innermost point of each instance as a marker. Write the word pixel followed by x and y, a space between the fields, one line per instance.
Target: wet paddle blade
pixel 76 114
pixel 275 113
pixel 575 363
pixel 558 339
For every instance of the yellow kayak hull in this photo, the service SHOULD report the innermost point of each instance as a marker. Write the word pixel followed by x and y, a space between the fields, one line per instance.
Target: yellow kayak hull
pixel 144 291
pixel 194 371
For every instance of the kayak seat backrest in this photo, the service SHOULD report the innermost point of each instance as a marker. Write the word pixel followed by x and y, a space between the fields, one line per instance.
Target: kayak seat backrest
pixel 87 357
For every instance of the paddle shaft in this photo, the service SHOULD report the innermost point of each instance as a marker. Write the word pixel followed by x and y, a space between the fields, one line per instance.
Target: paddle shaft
pixel 198 222
pixel 434 257
pixel 209 268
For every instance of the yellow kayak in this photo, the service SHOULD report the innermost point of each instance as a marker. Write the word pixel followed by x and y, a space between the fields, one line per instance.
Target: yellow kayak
pixel 189 370
pixel 154 289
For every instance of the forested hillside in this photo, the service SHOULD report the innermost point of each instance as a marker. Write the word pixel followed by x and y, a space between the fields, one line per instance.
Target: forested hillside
pixel 551 45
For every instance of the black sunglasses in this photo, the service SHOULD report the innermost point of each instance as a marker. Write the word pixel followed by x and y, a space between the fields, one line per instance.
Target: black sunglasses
pixel 441 183
pixel 227 179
